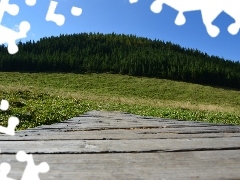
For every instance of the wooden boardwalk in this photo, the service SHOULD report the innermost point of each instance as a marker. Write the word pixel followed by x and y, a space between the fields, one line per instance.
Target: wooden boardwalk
pixel 113 145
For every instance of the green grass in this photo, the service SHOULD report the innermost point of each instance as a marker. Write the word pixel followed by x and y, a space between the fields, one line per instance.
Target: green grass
pixel 46 98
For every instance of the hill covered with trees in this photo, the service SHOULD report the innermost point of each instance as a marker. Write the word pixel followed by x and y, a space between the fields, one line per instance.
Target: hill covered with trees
pixel 121 54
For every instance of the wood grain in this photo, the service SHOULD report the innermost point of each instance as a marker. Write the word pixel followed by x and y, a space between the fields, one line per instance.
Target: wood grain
pixel 114 145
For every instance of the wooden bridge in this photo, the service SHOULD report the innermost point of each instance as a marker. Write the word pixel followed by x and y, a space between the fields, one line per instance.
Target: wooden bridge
pixel 114 145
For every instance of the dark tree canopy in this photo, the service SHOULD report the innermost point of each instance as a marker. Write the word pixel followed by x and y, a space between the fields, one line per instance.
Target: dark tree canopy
pixel 124 54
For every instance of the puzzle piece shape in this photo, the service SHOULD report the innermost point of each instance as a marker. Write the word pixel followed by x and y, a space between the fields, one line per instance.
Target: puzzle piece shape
pixel 210 9
pixel 59 19
pixel 9 36
pixel 4 170
pixel 30 2
pixel 76 11
pixel 31 171
pixel 12 9
pixel 4 105
pixel 133 1
pixel 12 123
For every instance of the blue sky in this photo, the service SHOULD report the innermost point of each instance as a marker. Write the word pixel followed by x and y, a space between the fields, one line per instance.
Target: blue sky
pixel 119 16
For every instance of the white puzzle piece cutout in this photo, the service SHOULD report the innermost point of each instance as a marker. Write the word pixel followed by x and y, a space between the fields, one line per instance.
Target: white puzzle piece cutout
pixel 59 19
pixel 4 170
pixel 4 105
pixel 210 9
pixel 76 11
pixel 12 121
pixel 31 171
pixel 30 2
pixel 10 129
pixel 8 35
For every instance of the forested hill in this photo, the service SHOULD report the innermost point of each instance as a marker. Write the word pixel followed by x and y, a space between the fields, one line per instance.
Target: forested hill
pixel 124 54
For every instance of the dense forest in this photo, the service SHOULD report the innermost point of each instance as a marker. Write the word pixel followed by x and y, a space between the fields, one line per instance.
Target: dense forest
pixel 123 54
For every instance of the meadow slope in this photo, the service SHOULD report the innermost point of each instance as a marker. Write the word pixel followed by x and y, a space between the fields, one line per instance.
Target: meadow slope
pixel 46 98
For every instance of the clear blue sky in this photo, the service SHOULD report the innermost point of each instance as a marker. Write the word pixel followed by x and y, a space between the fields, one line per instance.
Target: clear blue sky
pixel 119 16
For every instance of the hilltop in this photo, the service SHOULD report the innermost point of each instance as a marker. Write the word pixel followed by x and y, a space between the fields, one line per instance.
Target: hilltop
pixel 121 54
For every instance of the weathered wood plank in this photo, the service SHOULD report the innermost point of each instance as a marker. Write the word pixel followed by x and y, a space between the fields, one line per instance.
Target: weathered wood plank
pixel 113 145
pixel 96 125
pixel 96 120
pixel 112 135
pixel 171 165
pixel 139 145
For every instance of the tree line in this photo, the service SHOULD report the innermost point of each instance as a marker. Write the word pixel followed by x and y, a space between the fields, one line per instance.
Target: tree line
pixel 121 54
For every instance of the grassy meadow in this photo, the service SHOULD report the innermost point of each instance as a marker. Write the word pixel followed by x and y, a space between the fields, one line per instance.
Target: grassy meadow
pixel 46 98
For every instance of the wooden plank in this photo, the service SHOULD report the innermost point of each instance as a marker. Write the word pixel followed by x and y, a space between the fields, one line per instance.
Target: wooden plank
pixel 96 125
pixel 170 165
pixel 113 135
pixel 113 145
pixel 139 145
pixel 96 120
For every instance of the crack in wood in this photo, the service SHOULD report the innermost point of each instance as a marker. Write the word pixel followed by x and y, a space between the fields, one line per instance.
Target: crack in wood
pixel 139 152
pixel 100 129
